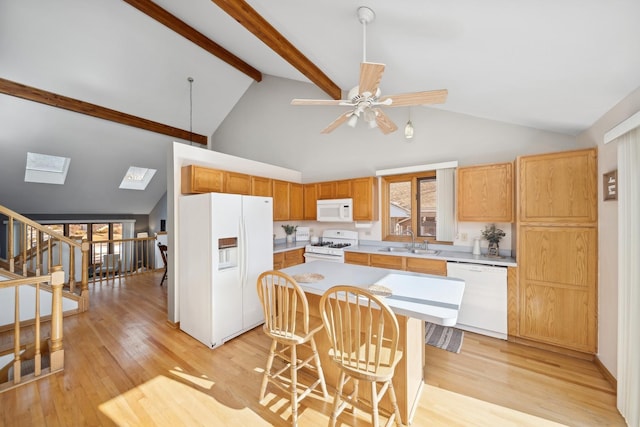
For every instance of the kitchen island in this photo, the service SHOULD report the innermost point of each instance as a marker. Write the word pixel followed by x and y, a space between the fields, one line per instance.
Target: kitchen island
pixel 415 298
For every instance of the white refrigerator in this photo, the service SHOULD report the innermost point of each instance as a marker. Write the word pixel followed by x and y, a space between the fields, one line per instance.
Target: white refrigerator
pixel 226 241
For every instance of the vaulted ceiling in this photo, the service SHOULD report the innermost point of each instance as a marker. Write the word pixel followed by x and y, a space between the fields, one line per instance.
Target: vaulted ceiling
pixel 556 66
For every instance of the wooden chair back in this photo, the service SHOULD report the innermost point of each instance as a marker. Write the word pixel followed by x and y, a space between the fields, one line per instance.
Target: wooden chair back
pixel 362 330
pixel 285 306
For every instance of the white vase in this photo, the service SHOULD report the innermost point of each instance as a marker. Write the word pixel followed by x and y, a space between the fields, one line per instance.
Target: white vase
pixel 290 238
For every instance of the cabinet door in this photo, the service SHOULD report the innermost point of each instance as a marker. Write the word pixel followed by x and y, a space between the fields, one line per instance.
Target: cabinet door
pixel 280 200
pixel 485 193
pixel 356 258
pixel 343 189
pixel 427 266
pixel 326 190
pixel 198 179
pixel 293 257
pixel 261 186
pixel 387 261
pixel 310 202
pixel 296 201
pixel 558 187
pixel 237 183
pixel 557 286
pixel 278 260
pixel 365 198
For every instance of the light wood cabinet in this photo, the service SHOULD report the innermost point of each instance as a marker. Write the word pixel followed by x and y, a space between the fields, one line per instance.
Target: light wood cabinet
pixel 326 190
pixel 558 286
pixel 310 202
pixel 387 261
pixel 237 183
pixel 485 193
pixel 296 201
pixel 198 179
pixel 365 198
pixel 557 250
pixel 558 187
pixel 427 266
pixel 293 257
pixel 261 186
pixel 356 258
pixel 278 260
pixel 280 200
pixel 343 189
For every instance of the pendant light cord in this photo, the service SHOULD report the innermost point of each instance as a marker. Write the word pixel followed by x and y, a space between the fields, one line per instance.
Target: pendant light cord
pixel 190 109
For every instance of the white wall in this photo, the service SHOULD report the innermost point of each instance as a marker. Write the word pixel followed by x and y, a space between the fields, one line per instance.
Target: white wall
pixel 263 126
pixel 181 155
pixel 608 230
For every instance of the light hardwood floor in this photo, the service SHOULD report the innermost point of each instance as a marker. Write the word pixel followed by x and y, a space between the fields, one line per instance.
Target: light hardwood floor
pixel 126 366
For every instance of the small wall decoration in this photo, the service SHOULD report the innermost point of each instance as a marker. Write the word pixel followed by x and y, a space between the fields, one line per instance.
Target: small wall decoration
pixel 610 185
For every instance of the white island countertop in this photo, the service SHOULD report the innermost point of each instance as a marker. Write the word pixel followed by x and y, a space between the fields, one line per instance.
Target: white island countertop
pixel 426 297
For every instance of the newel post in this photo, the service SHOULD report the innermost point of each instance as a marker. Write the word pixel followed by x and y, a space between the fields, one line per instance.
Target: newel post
pixel 56 350
pixel 84 286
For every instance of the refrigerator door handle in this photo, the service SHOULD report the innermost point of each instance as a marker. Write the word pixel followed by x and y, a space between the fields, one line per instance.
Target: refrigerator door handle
pixel 243 252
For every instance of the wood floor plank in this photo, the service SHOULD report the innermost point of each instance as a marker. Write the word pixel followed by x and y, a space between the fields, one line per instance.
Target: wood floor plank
pixel 126 366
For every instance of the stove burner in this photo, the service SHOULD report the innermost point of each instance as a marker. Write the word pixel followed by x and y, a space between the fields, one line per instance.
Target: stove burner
pixel 322 244
pixel 339 245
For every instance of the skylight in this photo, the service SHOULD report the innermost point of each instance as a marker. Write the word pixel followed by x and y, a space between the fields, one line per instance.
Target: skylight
pixel 46 169
pixel 137 178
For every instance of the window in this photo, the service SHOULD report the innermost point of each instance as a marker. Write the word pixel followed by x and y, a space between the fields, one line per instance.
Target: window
pixel 409 203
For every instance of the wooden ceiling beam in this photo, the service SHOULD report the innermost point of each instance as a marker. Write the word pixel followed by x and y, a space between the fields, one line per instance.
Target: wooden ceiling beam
pixel 19 90
pixel 170 21
pixel 254 22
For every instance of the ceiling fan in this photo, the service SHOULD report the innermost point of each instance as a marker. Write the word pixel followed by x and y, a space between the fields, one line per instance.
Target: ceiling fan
pixel 365 100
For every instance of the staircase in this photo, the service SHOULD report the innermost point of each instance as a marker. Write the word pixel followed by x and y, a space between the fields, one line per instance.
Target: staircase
pixel 38 285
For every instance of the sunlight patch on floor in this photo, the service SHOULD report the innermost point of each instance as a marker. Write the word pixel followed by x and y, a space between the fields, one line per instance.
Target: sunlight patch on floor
pixel 199 381
pixel 163 401
pixel 443 408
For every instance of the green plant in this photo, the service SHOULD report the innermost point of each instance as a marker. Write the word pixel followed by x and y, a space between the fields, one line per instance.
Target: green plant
pixel 492 234
pixel 290 229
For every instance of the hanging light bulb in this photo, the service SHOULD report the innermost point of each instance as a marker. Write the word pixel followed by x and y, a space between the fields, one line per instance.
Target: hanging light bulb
pixel 408 129
pixel 353 120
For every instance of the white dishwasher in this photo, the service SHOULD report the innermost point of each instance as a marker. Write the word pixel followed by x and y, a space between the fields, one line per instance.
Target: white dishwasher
pixel 484 303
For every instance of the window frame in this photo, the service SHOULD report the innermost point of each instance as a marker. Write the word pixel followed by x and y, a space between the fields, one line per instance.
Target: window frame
pixel 415 217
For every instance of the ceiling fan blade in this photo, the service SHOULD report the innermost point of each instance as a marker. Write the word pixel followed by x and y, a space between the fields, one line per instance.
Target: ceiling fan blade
pixel 384 122
pixel 417 98
pixel 337 122
pixel 370 76
pixel 317 101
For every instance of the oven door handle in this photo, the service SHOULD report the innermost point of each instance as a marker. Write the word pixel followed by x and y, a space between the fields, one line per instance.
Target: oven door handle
pixel 334 258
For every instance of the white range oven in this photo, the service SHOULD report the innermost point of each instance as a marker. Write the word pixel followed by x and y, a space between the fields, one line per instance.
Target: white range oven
pixel 331 246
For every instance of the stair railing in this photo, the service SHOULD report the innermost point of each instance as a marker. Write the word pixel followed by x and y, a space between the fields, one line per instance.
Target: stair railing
pixel 22 352
pixel 31 248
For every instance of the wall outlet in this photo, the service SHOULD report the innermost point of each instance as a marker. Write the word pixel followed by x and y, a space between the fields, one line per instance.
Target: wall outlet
pixel 464 237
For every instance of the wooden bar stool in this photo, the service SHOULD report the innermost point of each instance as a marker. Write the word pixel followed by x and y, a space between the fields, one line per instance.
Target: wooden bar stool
pixel 163 254
pixel 363 334
pixel 287 322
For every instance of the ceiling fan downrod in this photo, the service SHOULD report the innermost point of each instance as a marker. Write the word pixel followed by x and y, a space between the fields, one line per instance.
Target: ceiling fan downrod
pixel 365 16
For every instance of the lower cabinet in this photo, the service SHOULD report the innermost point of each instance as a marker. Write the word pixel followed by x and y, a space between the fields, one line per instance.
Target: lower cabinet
pixel 418 265
pixel 288 258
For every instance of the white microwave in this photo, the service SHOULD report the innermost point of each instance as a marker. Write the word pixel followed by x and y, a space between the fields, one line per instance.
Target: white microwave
pixel 335 210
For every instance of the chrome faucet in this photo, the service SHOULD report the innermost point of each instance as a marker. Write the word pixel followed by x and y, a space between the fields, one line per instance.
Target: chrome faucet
pixel 426 245
pixel 413 239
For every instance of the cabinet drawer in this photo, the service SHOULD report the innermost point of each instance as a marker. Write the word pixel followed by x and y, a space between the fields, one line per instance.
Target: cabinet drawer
pixel 387 261
pixel 294 257
pixel 356 258
pixel 427 266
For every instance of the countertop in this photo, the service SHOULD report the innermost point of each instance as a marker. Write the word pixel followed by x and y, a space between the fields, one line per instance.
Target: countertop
pixel 453 256
pixel 426 297
pixel 284 247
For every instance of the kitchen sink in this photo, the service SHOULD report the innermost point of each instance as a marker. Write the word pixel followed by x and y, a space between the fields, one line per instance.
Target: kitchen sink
pixel 424 251
pixel 393 249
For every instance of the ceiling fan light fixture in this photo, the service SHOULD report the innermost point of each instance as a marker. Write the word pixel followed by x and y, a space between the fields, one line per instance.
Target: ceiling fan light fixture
pixel 353 120
pixel 369 115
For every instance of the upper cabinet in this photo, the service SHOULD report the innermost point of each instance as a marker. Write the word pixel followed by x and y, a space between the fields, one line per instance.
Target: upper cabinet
pixel 485 193
pixel 365 198
pixel 296 201
pixel 343 189
pixel 558 187
pixel 261 186
pixel 310 202
pixel 198 179
pixel 280 200
pixel 237 183
pixel 326 190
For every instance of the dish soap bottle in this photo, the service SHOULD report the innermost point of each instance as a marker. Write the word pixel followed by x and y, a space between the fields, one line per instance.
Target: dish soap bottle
pixel 476 246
